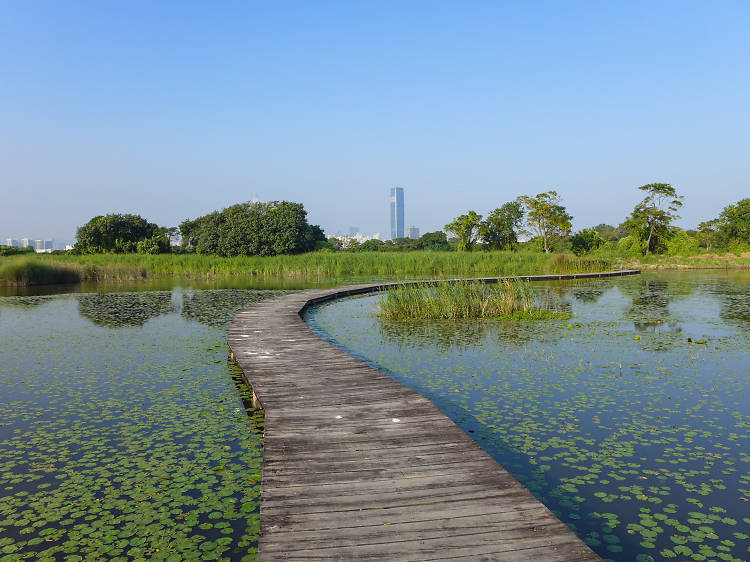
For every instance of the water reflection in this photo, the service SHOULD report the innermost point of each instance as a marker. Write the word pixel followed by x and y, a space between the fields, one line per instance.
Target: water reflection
pixel 735 305
pixel 217 307
pixel 114 310
pixel 649 309
pixel 443 335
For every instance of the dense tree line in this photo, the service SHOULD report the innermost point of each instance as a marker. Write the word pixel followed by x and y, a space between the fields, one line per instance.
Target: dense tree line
pixel 252 229
pixel 649 228
pixel 537 223
pixel 121 234
pixel 259 229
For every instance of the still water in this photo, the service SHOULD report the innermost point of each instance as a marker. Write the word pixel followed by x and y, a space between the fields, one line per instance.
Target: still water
pixel 124 432
pixel 631 420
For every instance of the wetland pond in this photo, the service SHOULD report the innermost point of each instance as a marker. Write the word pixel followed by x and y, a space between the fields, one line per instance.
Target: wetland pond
pixel 630 420
pixel 125 431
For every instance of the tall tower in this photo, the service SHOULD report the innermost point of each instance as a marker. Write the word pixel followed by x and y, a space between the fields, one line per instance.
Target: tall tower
pixel 397 212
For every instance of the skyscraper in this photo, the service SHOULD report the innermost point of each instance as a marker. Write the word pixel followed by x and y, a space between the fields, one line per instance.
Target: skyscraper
pixel 397 212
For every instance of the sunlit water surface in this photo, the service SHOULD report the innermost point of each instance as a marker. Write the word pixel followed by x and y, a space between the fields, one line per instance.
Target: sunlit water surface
pixel 124 432
pixel 631 421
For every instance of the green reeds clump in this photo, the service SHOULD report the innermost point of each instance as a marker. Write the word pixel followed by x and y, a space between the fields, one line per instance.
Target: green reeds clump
pixel 566 263
pixel 30 271
pixel 507 299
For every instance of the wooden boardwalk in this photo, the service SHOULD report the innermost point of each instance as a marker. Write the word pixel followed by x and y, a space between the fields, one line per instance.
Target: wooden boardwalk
pixel 357 466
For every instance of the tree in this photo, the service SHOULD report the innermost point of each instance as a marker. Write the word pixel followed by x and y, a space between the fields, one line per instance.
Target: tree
pixel 546 217
pixel 610 233
pixel 466 228
pixel 256 229
pixel 501 227
pixel 586 240
pixel 707 231
pixel 650 220
pixel 371 245
pixel 433 241
pixel 735 222
pixel 118 233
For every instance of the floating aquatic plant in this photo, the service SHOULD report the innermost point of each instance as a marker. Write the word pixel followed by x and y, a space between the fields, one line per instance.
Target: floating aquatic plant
pixel 123 431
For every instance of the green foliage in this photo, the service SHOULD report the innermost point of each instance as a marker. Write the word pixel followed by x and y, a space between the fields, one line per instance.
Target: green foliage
pixel 435 241
pixel 734 222
pixel 651 218
pixel 585 241
pixel 120 234
pixel 546 217
pixel 252 229
pixel 509 298
pixel 682 244
pixel 708 233
pixel 466 228
pixel 500 229
pixel 629 246
pixel 15 251
pixel 370 246
pixel 610 233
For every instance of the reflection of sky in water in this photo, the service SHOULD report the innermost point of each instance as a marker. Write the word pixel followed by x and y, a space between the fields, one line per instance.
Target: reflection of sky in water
pixel 123 429
pixel 635 436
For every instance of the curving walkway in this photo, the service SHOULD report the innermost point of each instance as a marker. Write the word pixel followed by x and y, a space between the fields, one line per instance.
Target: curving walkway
pixel 357 466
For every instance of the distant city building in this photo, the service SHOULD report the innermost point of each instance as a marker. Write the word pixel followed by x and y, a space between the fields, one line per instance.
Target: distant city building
pixel 359 237
pixel 25 242
pixel 13 242
pixel 397 212
pixel 43 245
pixel 413 232
pixel 353 230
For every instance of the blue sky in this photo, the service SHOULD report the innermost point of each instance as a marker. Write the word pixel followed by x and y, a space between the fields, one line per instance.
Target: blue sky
pixel 174 109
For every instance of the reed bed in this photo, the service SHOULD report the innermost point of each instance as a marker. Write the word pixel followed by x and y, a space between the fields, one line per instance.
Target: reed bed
pixel 311 266
pixel 507 299
pixel 31 271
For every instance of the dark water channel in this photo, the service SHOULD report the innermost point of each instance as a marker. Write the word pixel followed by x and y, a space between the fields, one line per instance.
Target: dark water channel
pixel 631 420
pixel 124 432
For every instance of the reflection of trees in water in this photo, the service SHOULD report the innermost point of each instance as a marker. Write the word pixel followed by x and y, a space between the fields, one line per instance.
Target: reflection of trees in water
pixel 24 302
pixel 456 334
pixel 588 291
pixel 211 307
pixel 735 302
pixel 443 334
pixel 217 307
pixel 649 310
pixel 124 309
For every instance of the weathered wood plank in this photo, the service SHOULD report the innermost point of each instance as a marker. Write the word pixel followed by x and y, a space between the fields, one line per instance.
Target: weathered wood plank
pixel 358 466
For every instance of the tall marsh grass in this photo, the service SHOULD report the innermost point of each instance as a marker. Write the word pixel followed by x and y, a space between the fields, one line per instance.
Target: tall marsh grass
pixel 30 271
pixel 507 299
pixel 311 266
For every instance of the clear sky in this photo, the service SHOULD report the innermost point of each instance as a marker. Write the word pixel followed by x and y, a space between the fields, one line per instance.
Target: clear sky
pixel 174 109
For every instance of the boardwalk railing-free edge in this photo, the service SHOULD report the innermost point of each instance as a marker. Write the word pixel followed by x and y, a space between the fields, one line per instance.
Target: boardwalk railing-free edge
pixel 358 466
